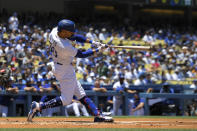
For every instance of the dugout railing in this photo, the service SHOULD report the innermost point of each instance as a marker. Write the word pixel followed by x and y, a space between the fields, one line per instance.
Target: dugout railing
pixel 179 89
pixel 180 96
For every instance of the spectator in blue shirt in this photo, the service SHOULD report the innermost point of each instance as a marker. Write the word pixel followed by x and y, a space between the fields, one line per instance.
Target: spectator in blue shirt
pixel 166 89
pixel 137 105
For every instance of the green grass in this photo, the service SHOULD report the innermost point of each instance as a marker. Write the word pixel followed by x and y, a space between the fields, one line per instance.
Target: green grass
pixel 92 129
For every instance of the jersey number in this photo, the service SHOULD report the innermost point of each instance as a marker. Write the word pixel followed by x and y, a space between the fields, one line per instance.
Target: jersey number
pixel 54 52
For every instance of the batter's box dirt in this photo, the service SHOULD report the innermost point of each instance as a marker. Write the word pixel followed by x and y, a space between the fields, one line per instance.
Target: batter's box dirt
pixel 88 123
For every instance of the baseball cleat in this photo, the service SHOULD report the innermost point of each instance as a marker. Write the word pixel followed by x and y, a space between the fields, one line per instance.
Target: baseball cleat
pixel 35 107
pixel 106 113
pixel 103 119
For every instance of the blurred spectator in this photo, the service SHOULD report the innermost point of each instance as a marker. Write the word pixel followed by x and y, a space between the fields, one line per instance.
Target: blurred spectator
pixel 30 88
pixel 84 79
pixel 136 105
pixel 148 79
pixel 168 74
pixel 148 38
pixel 97 87
pixel 141 80
pixel 91 35
pixel 45 86
pixel 166 89
pixel 103 35
pixel 102 69
pixel 102 100
pixel 13 22
pixel 194 86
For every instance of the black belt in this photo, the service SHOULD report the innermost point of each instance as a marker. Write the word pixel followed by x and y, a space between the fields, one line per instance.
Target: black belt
pixel 59 63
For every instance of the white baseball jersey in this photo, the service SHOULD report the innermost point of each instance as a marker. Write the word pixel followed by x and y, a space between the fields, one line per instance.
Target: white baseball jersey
pixel 118 100
pixel 63 53
pixel 118 85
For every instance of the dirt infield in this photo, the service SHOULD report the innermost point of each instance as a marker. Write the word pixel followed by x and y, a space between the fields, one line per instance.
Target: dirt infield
pixel 88 123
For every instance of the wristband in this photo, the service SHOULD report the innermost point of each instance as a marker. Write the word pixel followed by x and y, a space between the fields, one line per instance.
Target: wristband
pixel 90 41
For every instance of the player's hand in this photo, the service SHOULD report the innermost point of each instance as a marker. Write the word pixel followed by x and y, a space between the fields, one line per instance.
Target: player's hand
pixel 96 43
pixel 102 47
pixel 121 92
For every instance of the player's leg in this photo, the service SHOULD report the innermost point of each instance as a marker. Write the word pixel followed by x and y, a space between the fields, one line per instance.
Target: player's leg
pixel 140 112
pixel 81 95
pixel 130 106
pixel 66 111
pixel 76 109
pixel 87 102
pixel 36 107
pixel 116 105
pixel 4 111
pixel 83 109
pixel 65 99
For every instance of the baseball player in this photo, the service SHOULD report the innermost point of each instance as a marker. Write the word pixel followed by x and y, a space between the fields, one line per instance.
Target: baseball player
pixel 120 86
pixel 76 107
pixel 63 53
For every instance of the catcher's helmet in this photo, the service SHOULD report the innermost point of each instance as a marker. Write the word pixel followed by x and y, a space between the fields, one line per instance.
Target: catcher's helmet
pixel 66 25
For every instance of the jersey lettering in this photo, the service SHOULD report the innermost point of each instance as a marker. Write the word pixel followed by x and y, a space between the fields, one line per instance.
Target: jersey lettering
pixel 52 48
pixel 54 52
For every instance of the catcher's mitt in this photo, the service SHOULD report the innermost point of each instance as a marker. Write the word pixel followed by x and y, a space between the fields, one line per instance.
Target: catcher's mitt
pixel 5 77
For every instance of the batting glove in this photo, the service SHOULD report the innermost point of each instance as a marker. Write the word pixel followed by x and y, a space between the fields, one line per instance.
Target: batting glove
pixel 96 43
pixel 102 46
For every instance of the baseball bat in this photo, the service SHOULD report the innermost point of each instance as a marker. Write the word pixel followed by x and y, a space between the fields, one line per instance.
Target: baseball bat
pixel 133 47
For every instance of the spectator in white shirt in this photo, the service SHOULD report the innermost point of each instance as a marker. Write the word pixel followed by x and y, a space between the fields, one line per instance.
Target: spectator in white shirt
pixel 102 35
pixel 148 38
pixel 168 75
pixel 140 80
pixel 90 35
pixel 13 22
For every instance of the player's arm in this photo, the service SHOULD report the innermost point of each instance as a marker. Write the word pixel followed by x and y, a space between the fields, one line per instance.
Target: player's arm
pixel 130 91
pixel 100 90
pixel 89 52
pixel 141 105
pixel 84 54
pixel 82 39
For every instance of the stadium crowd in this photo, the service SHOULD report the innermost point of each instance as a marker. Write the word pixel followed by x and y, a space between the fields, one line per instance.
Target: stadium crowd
pixel 25 49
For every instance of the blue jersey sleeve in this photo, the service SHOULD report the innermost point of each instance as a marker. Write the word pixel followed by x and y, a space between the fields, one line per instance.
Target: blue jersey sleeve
pixel 78 38
pixel 92 87
pixel 85 54
pixel 44 98
pixel 142 100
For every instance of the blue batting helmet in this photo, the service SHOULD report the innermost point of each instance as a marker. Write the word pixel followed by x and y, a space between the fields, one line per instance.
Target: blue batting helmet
pixel 66 25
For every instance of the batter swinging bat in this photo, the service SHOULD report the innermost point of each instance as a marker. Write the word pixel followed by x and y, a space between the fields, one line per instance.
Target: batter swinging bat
pixel 132 47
